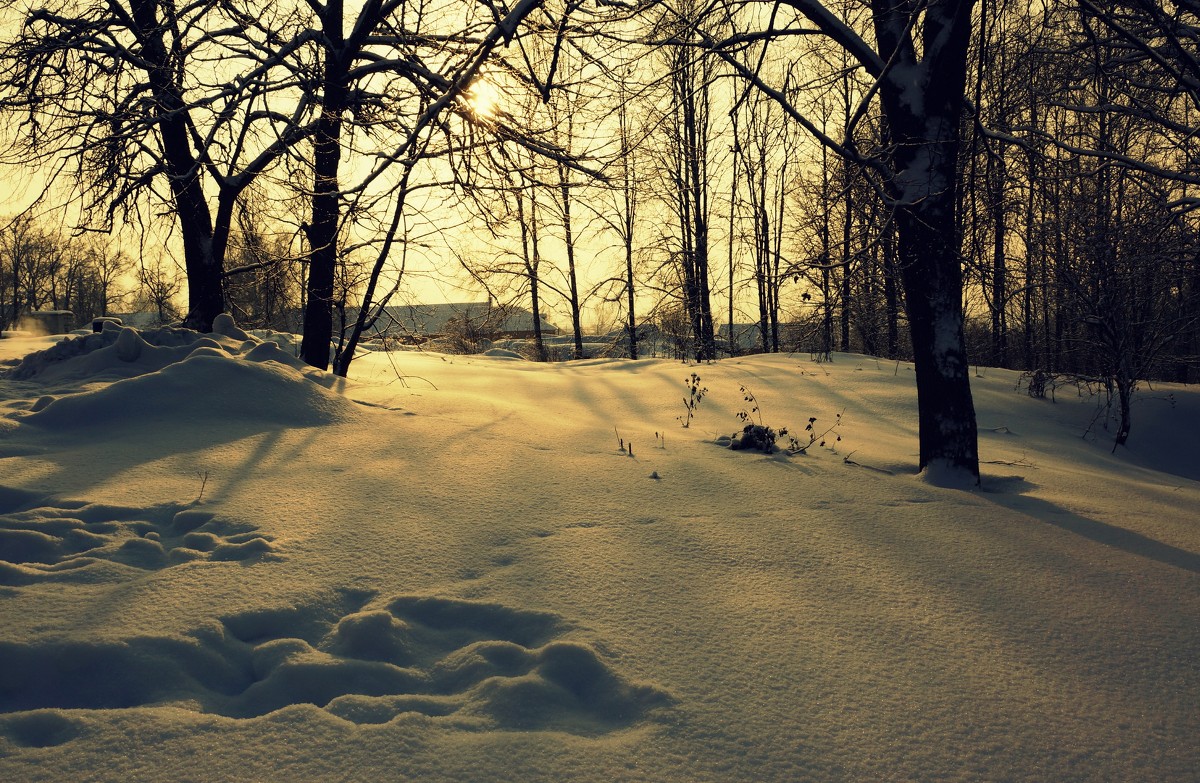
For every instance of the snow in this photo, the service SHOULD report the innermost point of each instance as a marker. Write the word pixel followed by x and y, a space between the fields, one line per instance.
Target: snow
pixel 219 565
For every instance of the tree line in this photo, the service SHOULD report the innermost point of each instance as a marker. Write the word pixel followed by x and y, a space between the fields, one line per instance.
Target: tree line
pixel 46 267
pixel 943 181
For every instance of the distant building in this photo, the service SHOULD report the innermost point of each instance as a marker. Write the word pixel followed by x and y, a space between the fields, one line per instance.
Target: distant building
pixel 746 337
pixel 478 320
pixel 48 321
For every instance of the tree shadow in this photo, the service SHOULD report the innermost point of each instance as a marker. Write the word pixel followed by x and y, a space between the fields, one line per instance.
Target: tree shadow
pixel 1008 493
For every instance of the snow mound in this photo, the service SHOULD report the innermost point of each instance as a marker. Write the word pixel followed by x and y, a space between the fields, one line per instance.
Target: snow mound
pixel 502 353
pixel 209 384
pixel 117 352
pixel 159 374
pixel 125 352
pixel 96 543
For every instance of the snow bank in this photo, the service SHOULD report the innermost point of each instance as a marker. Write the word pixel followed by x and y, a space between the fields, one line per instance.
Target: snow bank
pixel 477 579
pixel 209 383
pixel 167 373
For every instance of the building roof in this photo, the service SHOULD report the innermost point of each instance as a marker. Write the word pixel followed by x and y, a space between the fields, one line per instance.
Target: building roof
pixel 428 320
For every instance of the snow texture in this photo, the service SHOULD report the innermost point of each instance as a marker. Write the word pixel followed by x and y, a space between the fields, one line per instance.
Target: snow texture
pixel 219 565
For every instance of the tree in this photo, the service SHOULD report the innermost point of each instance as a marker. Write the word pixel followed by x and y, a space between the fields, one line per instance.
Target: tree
pixel 765 152
pixel 1116 163
pixel 685 160
pixel 188 105
pixel 158 288
pixel 141 99
pixel 91 275
pixel 262 278
pixel 626 223
pixel 30 259
pixel 437 67
pixel 566 200
pixel 919 67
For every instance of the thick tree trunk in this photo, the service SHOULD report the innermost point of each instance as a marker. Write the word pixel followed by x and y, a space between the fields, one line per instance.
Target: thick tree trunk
pixel 206 295
pixel 326 211
pixel 925 139
pixel 206 284
pixel 932 280
pixel 322 238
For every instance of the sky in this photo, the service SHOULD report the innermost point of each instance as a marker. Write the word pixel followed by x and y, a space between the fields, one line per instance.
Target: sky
pixel 218 564
pixel 441 232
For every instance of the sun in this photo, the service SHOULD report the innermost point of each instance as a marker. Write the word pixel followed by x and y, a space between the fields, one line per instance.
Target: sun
pixel 484 97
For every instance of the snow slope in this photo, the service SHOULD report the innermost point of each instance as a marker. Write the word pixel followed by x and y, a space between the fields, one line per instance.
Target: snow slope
pixel 217 565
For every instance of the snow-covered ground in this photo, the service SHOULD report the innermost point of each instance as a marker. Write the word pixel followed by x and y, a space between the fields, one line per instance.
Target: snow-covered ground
pixel 220 566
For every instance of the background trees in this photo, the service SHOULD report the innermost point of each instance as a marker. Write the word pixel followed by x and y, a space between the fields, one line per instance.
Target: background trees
pixel 153 104
pixel 43 268
pixel 142 105
pixel 1005 183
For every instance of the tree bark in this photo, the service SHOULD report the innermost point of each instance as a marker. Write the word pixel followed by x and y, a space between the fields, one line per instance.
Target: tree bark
pixel 206 296
pixel 932 281
pixel 925 138
pixel 326 211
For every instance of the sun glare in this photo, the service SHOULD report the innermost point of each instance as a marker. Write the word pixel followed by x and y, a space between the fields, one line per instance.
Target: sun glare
pixel 483 96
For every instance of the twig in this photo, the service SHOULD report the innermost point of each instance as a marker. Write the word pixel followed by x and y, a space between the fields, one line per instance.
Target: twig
pixel 849 461
pixel 1018 463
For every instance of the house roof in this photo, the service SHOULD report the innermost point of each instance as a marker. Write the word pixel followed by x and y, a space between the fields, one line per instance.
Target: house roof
pixel 435 319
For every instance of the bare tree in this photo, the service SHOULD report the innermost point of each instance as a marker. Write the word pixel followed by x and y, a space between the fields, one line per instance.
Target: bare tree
pixel 158 288
pixel 685 161
pixel 565 204
pixel 262 278
pixel 385 37
pixel 133 104
pixel 31 257
pixel 92 278
pixel 918 62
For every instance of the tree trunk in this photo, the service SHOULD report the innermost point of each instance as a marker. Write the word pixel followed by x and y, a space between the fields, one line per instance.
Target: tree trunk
pixel 365 319
pixel 925 138
pixel 824 259
pixel 1125 386
pixel 629 222
pixel 531 257
pixel 206 295
pixel 997 173
pixel 631 314
pixel 891 296
pixel 564 187
pixel 326 211
pixel 847 255
pixel 932 280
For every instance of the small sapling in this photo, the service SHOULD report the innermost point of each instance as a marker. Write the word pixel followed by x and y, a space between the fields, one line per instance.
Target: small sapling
pixel 696 393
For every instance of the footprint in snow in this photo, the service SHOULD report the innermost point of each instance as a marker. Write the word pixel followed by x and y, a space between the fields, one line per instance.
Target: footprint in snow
pixel 480 666
pixel 45 539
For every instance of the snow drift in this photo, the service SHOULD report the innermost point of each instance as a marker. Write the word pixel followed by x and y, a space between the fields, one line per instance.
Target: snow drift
pixel 216 564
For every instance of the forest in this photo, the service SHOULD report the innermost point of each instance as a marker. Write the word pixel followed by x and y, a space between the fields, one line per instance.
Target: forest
pixel 955 183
